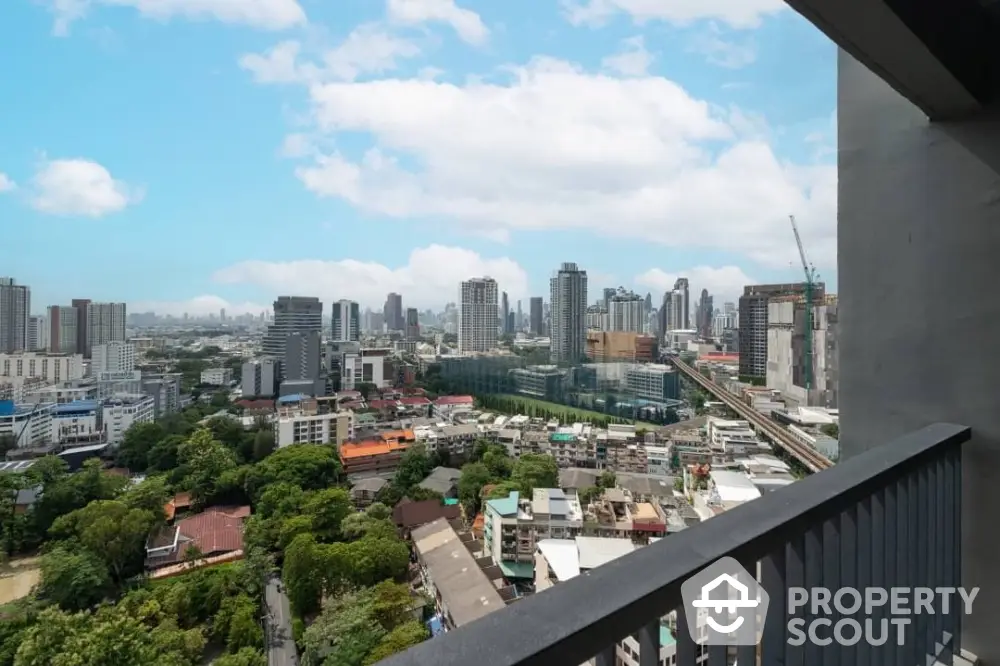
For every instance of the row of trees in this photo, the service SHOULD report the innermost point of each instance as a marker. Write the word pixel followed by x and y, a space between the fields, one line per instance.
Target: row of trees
pixel 506 404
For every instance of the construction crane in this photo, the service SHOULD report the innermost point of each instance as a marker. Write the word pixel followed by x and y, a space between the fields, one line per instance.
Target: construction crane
pixel 810 273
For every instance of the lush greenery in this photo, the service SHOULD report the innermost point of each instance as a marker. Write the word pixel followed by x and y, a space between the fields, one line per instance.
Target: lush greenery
pixel 94 605
pixel 492 465
pixel 831 430
pixel 519 404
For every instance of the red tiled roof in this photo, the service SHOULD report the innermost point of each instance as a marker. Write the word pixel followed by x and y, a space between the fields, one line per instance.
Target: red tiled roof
pixel 381 404
pixel 413 402
pixel 352 404
pixel 217 530
pixel 455 400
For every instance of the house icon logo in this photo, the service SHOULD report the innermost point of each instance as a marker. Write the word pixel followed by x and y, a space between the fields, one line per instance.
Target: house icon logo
pixel 724 605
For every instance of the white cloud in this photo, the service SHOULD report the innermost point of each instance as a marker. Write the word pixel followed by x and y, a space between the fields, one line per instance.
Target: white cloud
pixel 296 146
pixel 465 22
pixel 80 187
pixel 632 60
pixel 724 283
pixel 736 13
pixel 723 52
pixel 367 49
pixel 560 148
pixel 198 306
pixel 6 184
pixel 429 278
pixel 264 14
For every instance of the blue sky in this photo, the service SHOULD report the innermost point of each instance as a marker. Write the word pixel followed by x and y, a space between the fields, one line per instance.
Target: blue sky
pixel 186 155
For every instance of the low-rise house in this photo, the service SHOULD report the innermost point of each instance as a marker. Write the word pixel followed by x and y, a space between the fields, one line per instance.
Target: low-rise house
pixel 365 491
pixel 216 531
pixel 461 591
pixel 443 481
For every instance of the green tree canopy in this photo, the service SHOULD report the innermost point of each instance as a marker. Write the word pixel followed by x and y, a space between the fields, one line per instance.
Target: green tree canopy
pixel 139 440
pixel 309 466
pixel 73 579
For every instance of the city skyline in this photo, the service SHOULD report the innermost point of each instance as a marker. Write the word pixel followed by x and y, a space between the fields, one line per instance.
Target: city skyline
pixel 268 159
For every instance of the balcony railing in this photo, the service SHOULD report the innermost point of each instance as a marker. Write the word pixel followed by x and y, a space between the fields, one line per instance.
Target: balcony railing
pixel 890 517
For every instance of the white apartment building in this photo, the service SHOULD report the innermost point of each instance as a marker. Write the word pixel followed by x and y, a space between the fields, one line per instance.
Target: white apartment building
pixel 122 412
pixel 51 369
pixel 77 422
pixel 513 526
pixel 366 366
pixel 62 394
pixel 112 357
pixel 260 377
pixel 733 437
pixel 477 315
pixel 301 427
pixel 30 425
pixel 217 376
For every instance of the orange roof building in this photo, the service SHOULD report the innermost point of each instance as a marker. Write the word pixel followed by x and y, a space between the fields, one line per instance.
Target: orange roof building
pixel 374 456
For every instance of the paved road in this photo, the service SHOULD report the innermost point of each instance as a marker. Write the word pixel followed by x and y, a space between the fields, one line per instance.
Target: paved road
pixel 280 641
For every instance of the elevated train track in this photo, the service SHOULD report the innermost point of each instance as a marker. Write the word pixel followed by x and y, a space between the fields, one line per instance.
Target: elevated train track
pixel 812 459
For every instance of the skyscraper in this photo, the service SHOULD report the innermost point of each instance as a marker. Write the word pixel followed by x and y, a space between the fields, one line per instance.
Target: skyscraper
pixel 292 314
pixel 626 312
pixel 504 312
pixel 345 322
pixel 15 308
pixel 753 319
pixel 412 324
pixel 393 311
pixel 105 323
pixel 63 322
pixel 536 323
pixel 681 285
pixel 519 320
pixel 568 307
pixel 82 342
pixel 477 315
pixel 706 310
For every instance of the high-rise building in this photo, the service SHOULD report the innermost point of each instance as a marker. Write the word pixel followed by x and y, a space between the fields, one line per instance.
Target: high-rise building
pixel 504 312
pixel 672 312
pixel 112 357
pixel 63 334
pixel 345 322
pixel 82 342
pixel 105 323
pixel 412 324
pixel 393 311
pixel 477 315
pixel 303 364
pixel 682 286
pixel 536 324
pixel 706 311
pixel 609 293
pixel 38 333
pixel 15 308
pixel 753 317
pixel 568 314
pixel 519 320
pixel 292 314
pixel 626 312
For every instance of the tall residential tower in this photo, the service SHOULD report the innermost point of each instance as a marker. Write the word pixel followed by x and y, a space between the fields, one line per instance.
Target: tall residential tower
pixel 477 315
pixel 568 314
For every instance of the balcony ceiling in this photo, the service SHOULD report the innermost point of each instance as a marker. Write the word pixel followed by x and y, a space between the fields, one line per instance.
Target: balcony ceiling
pixel 944 56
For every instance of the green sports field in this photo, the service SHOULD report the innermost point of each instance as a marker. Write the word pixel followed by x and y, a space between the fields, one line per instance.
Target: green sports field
pixel 564 412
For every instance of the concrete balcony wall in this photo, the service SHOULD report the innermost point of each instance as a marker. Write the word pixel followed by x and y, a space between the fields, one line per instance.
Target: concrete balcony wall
pixel 919 269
